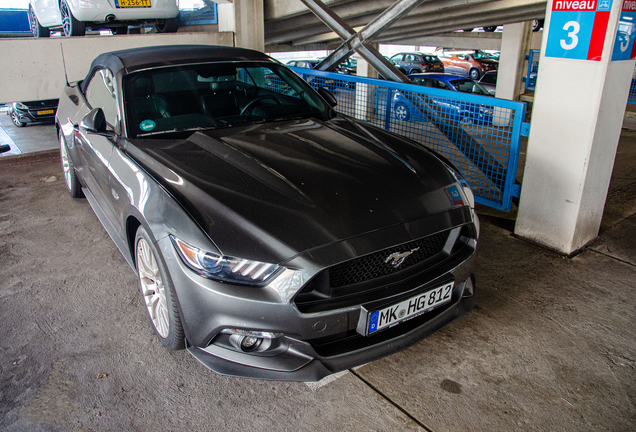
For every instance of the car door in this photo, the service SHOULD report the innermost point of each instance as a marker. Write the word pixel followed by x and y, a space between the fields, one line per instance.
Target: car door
pixel 47 11
pixel 95 150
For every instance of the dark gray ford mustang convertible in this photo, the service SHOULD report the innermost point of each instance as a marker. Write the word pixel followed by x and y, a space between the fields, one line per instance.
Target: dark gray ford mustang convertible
pixel 273 238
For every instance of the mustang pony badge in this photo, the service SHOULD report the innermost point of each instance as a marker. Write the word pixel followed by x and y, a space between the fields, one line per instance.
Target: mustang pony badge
pixel 397 258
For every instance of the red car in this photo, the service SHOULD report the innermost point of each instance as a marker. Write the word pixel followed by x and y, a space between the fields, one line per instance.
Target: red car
pixel 465 64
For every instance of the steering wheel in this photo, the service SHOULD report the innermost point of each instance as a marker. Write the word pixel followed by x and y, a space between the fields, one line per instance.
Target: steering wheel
pixel 256 99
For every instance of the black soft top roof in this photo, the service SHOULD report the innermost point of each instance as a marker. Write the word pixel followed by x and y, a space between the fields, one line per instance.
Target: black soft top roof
pixel 164 55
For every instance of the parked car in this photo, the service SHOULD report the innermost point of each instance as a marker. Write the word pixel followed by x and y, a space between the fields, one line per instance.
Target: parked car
pixel 261 225
pixel 415 62
pixel 407 106
pixel 32 112
pixel 489 81
pixel 74 17
pixel 465 64
pixel 317 82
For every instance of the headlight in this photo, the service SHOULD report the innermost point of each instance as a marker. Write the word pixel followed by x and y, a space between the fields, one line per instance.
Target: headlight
pixel 223 268
pixel 21 106
pixel 468 193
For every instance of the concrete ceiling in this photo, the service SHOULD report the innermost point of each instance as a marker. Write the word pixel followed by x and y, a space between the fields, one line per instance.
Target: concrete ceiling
pixel 290 26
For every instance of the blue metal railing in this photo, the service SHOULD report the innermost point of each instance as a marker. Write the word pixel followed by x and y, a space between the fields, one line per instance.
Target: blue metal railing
pixel 480 135
pixel 533 68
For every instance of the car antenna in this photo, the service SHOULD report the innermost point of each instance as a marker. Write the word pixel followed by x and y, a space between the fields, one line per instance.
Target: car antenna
pixel 64 64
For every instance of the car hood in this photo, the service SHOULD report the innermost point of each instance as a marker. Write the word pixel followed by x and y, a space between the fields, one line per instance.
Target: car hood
pixel 271 191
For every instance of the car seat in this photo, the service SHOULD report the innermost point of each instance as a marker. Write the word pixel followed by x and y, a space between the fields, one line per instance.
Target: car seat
pixel 224 98
pixel 148 105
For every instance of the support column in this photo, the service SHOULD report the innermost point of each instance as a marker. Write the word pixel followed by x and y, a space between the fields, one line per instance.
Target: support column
pixel 515 45
pixel 365 101
pixel 576 123
pixel 246 19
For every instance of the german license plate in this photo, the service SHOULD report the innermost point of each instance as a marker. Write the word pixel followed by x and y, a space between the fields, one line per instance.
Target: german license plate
pixel 410 308
pixel 437 67
pixel 132 3
pixel 45 112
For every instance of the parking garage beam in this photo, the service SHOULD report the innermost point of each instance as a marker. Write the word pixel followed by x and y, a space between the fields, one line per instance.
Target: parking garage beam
pixel 364 49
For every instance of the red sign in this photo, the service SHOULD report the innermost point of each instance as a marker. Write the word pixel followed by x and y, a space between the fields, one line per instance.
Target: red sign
pixel 574 5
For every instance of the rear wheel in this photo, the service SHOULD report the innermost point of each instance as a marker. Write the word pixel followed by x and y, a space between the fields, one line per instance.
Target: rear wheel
pixel 71 26
pixel 70 176
pixel 157 292
pixel 168 26
pixel 119 30
pixel 37 30
pixel 537 25
pixel 16 120
pixel 490 29
pixel 474 74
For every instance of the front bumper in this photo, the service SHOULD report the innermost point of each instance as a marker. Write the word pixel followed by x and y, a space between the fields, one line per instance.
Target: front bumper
pixel 32 116
pixel 315 337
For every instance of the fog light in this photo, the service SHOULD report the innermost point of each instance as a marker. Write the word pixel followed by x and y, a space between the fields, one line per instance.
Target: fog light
pixel 250 343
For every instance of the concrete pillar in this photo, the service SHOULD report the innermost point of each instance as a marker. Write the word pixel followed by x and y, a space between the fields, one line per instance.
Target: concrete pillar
pixel 365 101
pixel 576 122
pixel 515 45
pixel 246 19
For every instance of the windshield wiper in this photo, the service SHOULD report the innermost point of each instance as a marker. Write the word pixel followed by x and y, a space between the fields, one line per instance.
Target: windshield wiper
pixel 177 130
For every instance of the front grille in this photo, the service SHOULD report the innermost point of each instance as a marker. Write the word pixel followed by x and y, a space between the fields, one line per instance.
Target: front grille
pixel 381 264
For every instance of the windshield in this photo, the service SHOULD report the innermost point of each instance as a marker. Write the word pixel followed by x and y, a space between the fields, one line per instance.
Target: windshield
pixel 215 95
pixel 469 86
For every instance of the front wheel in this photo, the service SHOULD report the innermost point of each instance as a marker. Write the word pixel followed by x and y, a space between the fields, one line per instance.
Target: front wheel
pixel 71 26
pixel 168 26
pixel 158 293
pixel 474 74
pixel 36 29
pixel 16 120
pixel 70 176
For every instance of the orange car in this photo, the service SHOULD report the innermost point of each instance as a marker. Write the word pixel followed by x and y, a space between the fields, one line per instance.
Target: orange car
pixel 465 64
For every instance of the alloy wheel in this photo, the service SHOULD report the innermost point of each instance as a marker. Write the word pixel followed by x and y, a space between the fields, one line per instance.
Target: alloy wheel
pixel 66 18
pixel 152 288
pixel 66 167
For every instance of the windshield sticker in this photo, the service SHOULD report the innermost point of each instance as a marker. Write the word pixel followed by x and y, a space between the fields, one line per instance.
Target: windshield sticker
pixel 454 196
pixel 147 125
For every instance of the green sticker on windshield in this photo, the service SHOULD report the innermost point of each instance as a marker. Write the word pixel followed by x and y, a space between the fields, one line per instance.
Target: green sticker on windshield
pixel 147 125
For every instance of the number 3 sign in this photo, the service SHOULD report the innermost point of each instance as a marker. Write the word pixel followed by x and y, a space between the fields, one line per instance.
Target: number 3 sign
pixel 577 29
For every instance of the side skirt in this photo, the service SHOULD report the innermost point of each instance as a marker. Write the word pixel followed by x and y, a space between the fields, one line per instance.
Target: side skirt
pixel 108 226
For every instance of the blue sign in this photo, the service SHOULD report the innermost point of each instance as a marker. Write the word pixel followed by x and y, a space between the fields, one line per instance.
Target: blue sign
pixel 626 33
pixel 578 28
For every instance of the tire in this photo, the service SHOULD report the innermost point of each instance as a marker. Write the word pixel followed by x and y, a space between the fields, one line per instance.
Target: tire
pixel 119 30
pixel 71 26
pixel 401 112
pixel 168 26
pixel 16 121
pixel 157 292
pixel 414 71
pixel 474 74
pixel 490 29
pixel 36 29
pixel 537 25
pixel 70 176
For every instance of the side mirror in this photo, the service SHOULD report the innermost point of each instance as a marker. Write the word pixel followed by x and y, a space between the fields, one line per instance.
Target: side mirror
pixel 326 95
pixel 95 123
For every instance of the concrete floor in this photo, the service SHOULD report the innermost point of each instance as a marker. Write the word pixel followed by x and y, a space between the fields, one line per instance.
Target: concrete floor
pixel 550 345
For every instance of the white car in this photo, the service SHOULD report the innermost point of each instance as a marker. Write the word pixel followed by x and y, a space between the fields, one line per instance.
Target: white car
pixel 73 17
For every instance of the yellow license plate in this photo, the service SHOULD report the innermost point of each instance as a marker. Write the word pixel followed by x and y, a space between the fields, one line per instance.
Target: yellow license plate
pixel 133 3
pixel 45 112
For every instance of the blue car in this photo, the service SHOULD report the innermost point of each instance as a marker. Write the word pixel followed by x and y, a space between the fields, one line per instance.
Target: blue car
pixel 412 106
